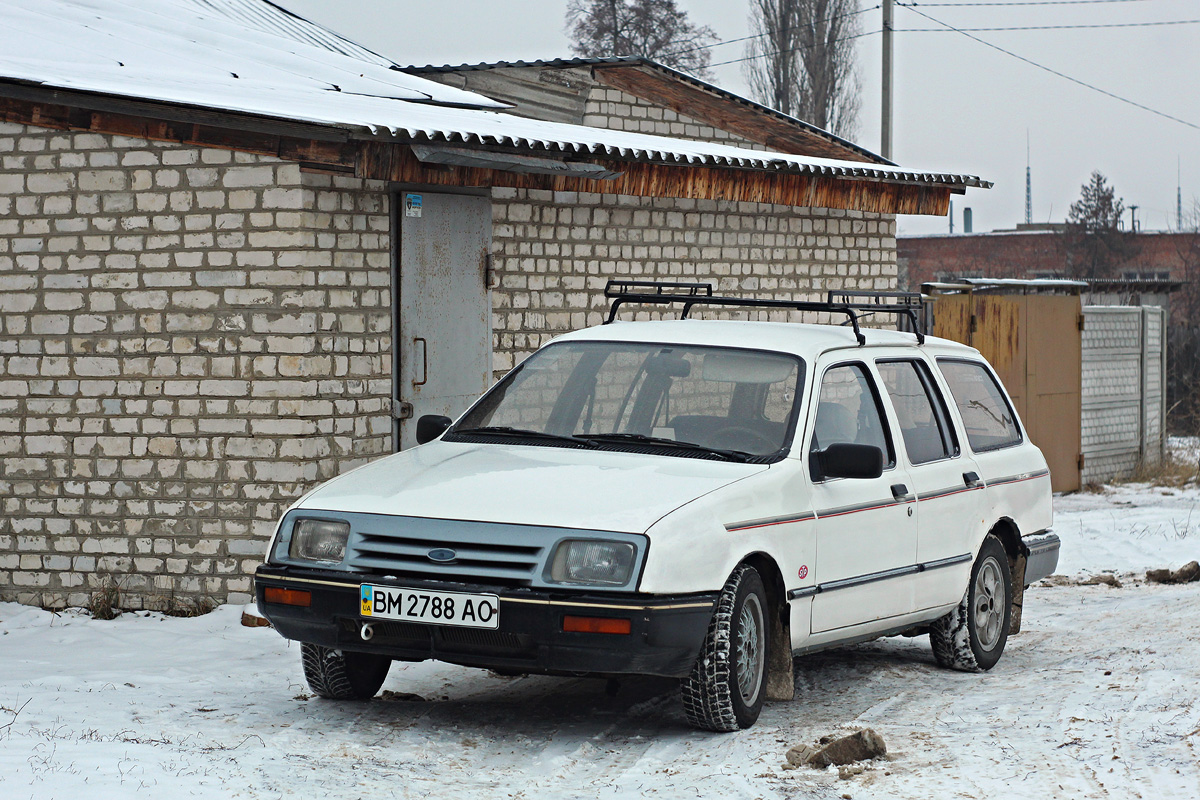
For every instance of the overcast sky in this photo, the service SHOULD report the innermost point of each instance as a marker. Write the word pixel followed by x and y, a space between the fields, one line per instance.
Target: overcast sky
pixel 960 106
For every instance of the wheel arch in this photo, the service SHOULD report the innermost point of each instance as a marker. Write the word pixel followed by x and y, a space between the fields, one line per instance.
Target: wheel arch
pixel 1006 530
pixel 780 678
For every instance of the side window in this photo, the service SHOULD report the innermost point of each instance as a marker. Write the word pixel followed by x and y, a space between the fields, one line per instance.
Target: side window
pixel 989 420
pixel 919 409
pixel 848 411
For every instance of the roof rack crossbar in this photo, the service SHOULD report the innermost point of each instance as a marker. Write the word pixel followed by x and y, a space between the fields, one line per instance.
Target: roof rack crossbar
pixel 837 302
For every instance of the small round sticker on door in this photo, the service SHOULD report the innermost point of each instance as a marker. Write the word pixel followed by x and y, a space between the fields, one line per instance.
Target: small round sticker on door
pixel 803 573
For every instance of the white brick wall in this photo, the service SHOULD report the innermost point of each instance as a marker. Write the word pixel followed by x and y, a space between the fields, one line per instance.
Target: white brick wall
pixel 621 111
pixel 554 252
pixel 189 338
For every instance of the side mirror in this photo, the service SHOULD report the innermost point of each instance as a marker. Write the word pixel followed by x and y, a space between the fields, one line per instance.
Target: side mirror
pixel 851 461
pixel 431 426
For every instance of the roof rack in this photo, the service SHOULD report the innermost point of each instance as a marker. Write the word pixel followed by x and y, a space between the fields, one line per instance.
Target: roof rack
pixel 852 304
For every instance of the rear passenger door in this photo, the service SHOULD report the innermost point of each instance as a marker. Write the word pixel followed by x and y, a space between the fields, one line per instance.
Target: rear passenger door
pixel 1016 476
pixel 949 489
pixel 866 529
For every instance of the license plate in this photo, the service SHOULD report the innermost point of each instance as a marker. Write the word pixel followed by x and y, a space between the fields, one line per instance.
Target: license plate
pixel 431 608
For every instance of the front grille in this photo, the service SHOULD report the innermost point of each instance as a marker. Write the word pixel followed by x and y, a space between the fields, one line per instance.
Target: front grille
pixel 475 563
pixel 486 557
pixel 483 554
pixel 468 639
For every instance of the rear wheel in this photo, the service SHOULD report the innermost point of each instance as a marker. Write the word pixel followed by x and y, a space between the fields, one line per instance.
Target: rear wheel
pixel 973 635
pixel 342 675
pixel 726 688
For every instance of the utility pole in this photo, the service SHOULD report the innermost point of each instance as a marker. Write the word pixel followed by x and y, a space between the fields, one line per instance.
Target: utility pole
pixel 885 145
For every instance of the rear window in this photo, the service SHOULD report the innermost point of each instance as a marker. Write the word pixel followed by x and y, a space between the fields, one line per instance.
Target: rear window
pixel 987 416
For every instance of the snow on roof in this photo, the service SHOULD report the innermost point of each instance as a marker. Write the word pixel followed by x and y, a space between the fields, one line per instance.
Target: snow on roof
pixel 249 56
pixel 229 54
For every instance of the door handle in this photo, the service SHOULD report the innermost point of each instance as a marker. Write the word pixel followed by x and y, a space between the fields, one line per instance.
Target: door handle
pixel 424 361
pixel 900 492
pixel 971 479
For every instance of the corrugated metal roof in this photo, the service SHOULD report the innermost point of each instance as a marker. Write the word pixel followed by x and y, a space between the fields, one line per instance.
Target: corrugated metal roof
pixel 196 51
pixel 179 53
pixel 432 123
pixel 264 16
pixel 646 63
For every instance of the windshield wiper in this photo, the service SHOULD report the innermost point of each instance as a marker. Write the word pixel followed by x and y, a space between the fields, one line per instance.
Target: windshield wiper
pixel 641 438
pixel 505 430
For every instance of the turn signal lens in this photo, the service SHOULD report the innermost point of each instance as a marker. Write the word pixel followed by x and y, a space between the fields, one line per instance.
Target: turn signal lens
pixel 288 597
pixel 595 625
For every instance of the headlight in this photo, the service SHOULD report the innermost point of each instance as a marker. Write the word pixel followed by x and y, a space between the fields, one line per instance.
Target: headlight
pixel 319 540
pixel 588 561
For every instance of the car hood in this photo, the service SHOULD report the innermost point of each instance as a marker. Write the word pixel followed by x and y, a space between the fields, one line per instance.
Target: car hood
pixel 527 485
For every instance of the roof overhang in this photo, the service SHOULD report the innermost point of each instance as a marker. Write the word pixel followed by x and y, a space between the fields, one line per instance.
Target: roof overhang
pixel 389 156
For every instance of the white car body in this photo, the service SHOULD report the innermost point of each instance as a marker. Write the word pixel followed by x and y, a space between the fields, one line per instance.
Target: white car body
pixel 855 557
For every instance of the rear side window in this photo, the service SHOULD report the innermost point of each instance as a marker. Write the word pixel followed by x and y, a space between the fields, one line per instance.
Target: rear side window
pixel 987 416
pixel 919 409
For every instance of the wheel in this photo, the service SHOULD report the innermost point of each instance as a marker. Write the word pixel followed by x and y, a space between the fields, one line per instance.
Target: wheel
pixel 725 690
pixel 341 675
pixel 972 636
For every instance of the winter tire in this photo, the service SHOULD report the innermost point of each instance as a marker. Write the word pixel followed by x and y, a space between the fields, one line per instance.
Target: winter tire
pixel 341 675
pixel 972 636
pixel 727 685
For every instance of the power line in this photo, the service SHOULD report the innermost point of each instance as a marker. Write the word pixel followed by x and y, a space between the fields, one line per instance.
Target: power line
pixel 939 30
pixel 1050 27
pixel 791 50
pixel 1018 3
pixel 781 30
pixel 1054 71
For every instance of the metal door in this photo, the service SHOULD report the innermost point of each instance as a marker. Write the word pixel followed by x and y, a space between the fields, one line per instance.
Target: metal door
pixel 443 348
pixel 1034 342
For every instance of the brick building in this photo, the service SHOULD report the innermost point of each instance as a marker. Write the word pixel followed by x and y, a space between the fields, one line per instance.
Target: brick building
pixel 1038 252
pixel 234 273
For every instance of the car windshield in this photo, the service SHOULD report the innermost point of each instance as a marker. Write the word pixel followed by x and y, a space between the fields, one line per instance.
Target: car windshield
pixel 672 396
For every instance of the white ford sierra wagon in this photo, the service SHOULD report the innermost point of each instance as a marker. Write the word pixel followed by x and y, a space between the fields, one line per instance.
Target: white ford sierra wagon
pixel 699 499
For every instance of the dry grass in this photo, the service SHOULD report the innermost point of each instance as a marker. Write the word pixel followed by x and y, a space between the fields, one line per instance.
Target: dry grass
pixel 175 606
pixel 1169 472
pixel 104 602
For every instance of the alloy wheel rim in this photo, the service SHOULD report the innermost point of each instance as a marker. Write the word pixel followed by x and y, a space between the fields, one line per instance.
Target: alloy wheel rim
pixel 750 648
pixel 989 603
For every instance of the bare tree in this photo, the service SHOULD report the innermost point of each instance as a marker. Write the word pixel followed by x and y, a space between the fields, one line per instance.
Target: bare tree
pixel 1183 344
pixel 656 29
pixel 801 60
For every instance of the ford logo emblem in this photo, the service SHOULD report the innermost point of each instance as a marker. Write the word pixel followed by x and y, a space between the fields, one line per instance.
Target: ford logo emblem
pixel 442 555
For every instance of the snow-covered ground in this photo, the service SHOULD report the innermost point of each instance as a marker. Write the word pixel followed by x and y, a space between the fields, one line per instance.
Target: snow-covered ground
pixel 1095 698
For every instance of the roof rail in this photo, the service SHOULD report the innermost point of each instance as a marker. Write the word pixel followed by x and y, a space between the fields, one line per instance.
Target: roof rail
pixel 851 303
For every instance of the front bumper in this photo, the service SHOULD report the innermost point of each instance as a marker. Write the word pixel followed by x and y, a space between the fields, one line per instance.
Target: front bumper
pixel 665 637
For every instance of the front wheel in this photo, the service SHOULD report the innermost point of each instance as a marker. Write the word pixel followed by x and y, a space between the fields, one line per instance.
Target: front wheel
pixel 725 690
pixel 973 635
pixel 341 675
